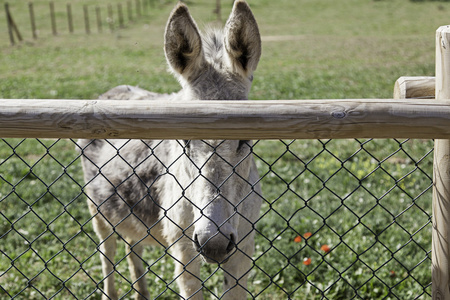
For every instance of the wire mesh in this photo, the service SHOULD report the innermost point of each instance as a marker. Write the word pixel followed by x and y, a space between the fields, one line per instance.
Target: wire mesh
pixel 340 219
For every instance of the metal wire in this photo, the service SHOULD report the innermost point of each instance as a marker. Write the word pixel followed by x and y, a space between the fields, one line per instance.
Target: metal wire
pixel 362 199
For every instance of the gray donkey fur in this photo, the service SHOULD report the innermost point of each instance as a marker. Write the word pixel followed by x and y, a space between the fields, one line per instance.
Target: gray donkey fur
pixel 199 199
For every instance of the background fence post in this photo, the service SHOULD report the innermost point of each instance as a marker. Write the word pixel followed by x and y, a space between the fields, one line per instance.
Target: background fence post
pixel 11 26
pixel 120 15
pixel 52 18
pixel 110 17
pixel 441 177
pixel 10 32
pixel 129 9
pixel 99 19
pixel 138 9
pixel 69 17
pixel 145 7
pixel 32 20
pixel 87 26
pixel 218 11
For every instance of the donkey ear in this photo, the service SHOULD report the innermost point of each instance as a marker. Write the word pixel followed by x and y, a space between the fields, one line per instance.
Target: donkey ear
pixel 182 42
pixel 242 39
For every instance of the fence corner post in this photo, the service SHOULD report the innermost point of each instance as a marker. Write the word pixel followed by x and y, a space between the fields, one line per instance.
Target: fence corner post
pixel 441 178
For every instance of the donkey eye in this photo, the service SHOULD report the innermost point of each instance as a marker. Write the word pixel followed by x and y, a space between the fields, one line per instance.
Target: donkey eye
pixel 242 143
pixel 187 145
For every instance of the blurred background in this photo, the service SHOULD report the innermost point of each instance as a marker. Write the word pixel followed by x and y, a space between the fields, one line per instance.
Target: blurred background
pixel 311 48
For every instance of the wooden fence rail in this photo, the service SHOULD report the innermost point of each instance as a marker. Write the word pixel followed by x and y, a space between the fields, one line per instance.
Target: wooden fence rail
pixel 420 87
pixel 291 119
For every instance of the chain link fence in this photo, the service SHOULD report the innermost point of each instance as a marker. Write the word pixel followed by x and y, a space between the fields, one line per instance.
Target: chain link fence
pixel 340 219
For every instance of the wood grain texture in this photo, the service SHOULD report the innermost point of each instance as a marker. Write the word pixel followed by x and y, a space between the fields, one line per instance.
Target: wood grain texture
pixel 281 119
pixel 441 177
pixel 415 87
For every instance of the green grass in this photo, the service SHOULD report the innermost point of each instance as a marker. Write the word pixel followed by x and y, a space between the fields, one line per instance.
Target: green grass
pixel 369 201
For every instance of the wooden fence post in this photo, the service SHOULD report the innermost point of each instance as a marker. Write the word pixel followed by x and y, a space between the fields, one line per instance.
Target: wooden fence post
pixel 129 9
pixel 10 31
pixel 32 20
pixel 53 18
pixel 441 177
pixel 99 19
pixel 69 17
pixel 87 26
pixel 138 8
pixel 145 7
pixel 110 18
pixel 12 27
pixel 120 15
pixel 218 11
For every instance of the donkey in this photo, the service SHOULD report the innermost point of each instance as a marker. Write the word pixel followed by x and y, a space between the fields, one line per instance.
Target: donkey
pixel 197 198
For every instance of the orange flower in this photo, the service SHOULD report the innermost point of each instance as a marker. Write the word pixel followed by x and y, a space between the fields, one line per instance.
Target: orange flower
pixel 307 235
pixel 307 261
pixel 298 239
pixel 325 248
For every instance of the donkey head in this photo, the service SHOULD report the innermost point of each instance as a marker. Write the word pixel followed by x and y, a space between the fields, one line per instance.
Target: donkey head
pixel 217 66
pixel 218 187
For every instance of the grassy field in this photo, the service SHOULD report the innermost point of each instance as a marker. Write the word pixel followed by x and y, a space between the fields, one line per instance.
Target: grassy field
pixel 369 201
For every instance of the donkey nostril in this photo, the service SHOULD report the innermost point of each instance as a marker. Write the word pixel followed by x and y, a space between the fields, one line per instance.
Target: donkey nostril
pixel 231 244
pixel 197 244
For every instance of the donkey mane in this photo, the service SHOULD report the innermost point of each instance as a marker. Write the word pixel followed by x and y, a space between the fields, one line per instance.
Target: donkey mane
pixel 213 45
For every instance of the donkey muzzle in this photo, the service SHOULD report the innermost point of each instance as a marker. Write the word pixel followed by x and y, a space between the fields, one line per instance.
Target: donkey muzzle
pixel 215 247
